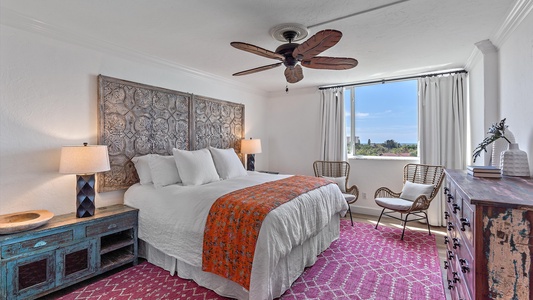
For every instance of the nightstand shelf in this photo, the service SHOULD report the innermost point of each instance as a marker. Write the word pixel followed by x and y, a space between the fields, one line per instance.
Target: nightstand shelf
pixel 65 251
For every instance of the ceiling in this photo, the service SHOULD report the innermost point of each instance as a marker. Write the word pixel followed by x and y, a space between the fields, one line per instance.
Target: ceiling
pixel 389 38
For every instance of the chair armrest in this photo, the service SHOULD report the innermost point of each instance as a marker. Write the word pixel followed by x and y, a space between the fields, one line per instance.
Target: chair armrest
pixel 384 192
pixel 354 191
pixel 421 203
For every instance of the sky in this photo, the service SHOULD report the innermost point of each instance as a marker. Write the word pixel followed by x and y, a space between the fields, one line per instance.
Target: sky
pixel 385 111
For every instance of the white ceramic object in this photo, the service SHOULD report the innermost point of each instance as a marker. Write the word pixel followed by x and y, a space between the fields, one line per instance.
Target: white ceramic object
pixel 514 162
pixel 22 221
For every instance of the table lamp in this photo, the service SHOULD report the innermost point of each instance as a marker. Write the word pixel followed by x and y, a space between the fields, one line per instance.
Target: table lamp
pixel 84 161
pixel 250 147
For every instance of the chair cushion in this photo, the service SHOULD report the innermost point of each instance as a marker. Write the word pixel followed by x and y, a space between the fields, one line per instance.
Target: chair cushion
pixel 349 197
pixel 411 190
pixel 394 203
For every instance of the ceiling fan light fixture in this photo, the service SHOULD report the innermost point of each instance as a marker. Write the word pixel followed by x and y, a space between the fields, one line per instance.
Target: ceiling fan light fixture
pixel 279 32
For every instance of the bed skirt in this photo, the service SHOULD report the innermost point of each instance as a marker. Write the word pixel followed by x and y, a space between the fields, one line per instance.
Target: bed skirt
pixel 263 286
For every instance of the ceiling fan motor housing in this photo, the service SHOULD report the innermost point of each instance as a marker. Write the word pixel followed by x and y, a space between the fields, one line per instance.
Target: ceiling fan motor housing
pixel 286 50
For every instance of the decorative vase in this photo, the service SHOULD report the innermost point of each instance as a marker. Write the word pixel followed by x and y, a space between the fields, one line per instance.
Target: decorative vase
pixel 514 161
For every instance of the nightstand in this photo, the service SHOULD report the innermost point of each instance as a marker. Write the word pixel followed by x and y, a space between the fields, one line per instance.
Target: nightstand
pixel 66 250
pixel 268 172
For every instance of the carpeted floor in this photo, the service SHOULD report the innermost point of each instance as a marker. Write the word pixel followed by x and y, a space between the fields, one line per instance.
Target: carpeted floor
pixel 364 263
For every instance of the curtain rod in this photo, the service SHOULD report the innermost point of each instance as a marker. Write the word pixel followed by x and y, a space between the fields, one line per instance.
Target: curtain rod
pixel 391 79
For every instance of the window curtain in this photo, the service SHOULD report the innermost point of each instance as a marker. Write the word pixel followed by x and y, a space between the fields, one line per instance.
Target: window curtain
pixel 332 137
pixel 442 129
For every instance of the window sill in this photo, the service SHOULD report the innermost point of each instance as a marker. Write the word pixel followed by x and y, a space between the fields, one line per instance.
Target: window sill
pixel 404 158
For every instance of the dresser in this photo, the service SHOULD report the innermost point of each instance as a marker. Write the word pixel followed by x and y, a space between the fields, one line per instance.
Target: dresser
pixel 66 250
pixel 489 236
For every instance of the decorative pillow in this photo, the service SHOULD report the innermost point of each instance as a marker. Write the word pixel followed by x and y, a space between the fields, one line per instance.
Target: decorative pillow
pixel 142 165
pixel 340 181
pixel 195 167
pixel 164 171
pixel 227 163
pixel 411 190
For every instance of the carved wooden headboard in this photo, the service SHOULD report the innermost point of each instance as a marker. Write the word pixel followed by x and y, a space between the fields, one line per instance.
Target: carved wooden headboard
pixel 137 119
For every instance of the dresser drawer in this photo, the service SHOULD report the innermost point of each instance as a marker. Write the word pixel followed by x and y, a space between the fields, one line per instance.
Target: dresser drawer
pixel 111 225
pixel 32 245
pixel 467 223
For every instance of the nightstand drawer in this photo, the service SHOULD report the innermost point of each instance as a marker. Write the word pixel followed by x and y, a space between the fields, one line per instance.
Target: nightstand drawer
pixel 37 243
pixel 111 225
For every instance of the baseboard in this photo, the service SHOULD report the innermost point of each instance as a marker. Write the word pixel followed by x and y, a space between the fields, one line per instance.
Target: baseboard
pixel 365 210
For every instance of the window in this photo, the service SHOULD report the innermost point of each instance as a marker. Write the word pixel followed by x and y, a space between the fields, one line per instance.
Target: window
pixel 382 119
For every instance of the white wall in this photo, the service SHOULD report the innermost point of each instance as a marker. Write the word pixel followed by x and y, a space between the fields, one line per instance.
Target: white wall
pixel 514 92
pixel 516 85
pixel 294 131
pixel 49 99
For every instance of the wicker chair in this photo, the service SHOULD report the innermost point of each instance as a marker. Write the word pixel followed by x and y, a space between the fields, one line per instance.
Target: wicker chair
pixel 338 169
pixel 428 175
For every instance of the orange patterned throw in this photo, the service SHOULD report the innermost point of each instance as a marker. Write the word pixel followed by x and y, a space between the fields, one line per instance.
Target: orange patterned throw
pixel 234 221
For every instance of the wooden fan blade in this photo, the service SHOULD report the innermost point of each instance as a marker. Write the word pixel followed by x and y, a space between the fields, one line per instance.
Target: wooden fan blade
pixel 330 63
pixel 317 44
pixel 259 69
pixel 294 74
pixel 257 50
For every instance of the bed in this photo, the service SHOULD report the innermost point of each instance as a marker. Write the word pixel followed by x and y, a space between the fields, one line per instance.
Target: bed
pixel 147 130
pixel 172 222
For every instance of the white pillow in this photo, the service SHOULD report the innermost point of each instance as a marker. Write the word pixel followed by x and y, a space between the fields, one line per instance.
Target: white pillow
pixel 340 181
pixel 195 167
pixel 164 171
pixel 411 190
pixel 227 163
pixel 142 165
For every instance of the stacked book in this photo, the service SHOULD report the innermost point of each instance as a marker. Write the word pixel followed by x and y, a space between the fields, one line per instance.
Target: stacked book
pixel 484 171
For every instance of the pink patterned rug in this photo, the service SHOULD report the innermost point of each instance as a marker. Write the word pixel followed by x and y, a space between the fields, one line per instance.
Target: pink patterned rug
pixel 364 263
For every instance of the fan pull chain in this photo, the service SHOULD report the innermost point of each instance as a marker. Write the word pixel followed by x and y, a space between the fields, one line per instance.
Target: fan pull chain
pixel 287 88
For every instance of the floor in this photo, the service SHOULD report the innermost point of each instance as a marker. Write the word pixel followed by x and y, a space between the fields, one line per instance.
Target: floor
pixel 439 233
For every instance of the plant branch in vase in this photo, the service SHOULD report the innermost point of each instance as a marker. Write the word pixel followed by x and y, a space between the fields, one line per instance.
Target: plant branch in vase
pixel 496 131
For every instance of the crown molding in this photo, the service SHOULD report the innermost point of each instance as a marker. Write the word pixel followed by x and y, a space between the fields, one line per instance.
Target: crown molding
pixel 516 15
pixel 16 20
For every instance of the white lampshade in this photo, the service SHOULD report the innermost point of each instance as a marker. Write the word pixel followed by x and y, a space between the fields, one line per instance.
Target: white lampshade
pixel 251 146
pixel 85 159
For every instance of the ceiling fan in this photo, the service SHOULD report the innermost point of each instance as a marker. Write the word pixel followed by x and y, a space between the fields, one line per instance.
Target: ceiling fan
pixel 294 55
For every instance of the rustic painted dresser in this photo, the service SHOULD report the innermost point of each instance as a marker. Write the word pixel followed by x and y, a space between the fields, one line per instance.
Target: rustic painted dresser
pixel 66 250
pixel 489 236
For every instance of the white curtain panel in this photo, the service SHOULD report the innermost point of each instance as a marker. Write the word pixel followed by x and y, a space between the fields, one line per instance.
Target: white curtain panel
pixel 332 137
pixel 442 129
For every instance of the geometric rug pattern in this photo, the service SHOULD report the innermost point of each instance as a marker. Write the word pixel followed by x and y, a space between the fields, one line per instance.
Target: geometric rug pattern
pixel 364 263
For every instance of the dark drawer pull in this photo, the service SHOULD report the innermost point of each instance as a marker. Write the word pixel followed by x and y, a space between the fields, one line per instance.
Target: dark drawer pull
pixel 456 277
pixel 450 285
pixel 450 198
pixel 446 264
pixel 450 255
pixel 446 215
pixel 455 208
pixel 464 266
pixel 464 222
pixel 456 243
pixel 446 240
pixel 446 190
pixel 450 226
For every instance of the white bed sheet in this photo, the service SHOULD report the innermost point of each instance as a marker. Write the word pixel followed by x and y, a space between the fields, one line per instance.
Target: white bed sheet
pixel 172 221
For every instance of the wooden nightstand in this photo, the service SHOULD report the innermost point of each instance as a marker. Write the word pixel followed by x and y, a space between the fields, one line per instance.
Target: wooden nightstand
pixel 66 250
pixel 269 172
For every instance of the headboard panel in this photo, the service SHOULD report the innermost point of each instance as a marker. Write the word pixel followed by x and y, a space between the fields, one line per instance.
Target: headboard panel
pixel 216 123
pixel 137 119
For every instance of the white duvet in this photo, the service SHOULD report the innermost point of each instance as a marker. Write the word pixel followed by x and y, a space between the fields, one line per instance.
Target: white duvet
pixel 172 219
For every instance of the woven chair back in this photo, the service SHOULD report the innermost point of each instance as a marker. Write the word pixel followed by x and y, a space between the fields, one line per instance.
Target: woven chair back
pixel 331 169
pixel 424 174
